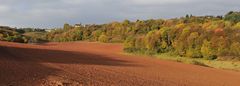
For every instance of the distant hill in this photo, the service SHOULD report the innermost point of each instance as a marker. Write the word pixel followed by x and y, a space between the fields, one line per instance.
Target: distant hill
pixel 11 34
pixel 22 35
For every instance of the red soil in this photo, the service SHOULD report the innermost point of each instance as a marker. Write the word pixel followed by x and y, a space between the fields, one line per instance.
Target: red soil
pixel 82 63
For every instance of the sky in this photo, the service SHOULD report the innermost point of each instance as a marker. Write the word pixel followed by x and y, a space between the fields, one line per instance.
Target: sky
pixel 54 13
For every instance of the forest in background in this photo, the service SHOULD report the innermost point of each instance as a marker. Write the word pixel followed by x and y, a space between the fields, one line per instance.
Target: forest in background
pixel 22 35
pixel 208 37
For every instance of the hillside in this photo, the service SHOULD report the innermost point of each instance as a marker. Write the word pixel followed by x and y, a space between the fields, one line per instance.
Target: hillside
pixel 11 35
pixel 22 35
pixel 98 64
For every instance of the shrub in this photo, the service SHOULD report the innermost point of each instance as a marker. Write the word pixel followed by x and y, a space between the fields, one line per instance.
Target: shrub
pixel 103 38
pixel 194 62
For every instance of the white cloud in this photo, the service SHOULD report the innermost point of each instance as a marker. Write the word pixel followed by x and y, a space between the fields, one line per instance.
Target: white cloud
pixel 4 8
pixel 82 2
pixel 73 1
pixel 158 2
pixel 53 13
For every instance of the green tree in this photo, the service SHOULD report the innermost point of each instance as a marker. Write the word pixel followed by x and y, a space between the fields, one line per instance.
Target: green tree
pixel 67 26
pixel 103 38
pixel 207 50
pixel 233 16
pixel 235 49
pixel 151 40
pixel 1 36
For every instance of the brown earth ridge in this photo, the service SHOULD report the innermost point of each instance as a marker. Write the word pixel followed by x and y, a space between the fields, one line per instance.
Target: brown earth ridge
pixel 98 64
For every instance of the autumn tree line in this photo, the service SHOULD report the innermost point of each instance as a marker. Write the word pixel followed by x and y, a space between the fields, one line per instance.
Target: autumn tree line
pixel 208 37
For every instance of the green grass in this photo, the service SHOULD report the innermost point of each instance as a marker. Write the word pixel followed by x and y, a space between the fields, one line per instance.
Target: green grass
pixel 228 65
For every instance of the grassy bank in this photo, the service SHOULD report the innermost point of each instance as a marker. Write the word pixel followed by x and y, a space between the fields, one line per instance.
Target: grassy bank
pixel 228 65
